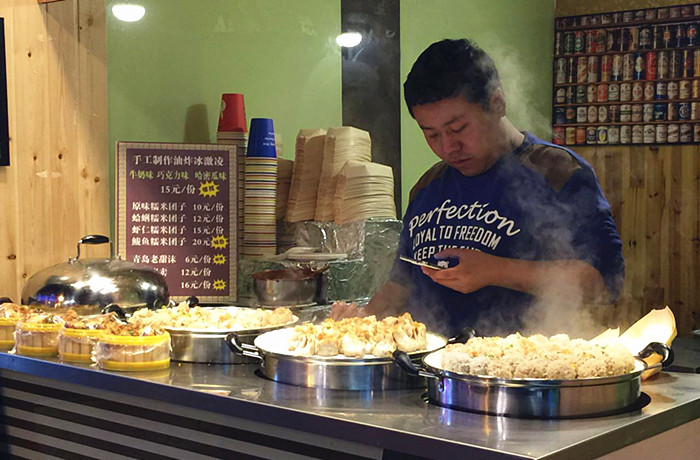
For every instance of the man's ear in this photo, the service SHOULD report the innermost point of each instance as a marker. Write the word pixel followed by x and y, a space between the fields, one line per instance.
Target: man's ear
pixel 498 103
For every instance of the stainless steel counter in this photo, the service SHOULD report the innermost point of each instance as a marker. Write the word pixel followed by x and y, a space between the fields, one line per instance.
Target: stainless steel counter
pixel 399 421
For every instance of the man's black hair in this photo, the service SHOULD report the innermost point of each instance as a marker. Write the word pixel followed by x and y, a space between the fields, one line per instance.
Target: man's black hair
pixel 450 68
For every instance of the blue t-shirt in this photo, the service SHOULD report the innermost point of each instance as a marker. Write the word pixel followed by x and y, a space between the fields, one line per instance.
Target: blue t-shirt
pixel 539 202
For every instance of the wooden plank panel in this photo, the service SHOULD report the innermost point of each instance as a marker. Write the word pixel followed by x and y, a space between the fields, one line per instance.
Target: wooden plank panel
pixel 655 198
pixel 689 306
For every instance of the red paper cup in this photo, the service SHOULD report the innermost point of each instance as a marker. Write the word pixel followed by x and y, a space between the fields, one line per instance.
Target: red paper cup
pixel 232 116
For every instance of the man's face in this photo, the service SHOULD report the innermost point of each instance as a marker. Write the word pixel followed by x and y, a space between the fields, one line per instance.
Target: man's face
pixel 461 133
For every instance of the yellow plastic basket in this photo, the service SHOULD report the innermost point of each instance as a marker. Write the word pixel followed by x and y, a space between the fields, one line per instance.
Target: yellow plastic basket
pixel 146 366
pixel 37 327
pixel 75 357
pixel 6 344
pixel 37 351
pixel 129 340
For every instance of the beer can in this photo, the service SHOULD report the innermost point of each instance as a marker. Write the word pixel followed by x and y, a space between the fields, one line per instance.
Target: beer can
pixel 602 93
pixel 616 71
pixel 559 135
pixel 613 134
pixel 590 41
pixel 650 15
pixel 686 11
pixel 560 71
pixel 674 12
pixel 661 90
pixel 649 91
pixel 579 42
pixel 613 42
pixel 627 67
pixel 593 19
pixel 696 133
pixel 688 67
pixel 639 67
pixel 592 114
pixel 571 75
pixel 584 20
pixel 625 92
pixel 582 69
pixel 649 134
pixel 648 113
pixel 684 111
pixel 684 89
pixel 662 64
pixel 617 17
pixel 592 69
pixel 606 18
pixel 667 36
pixel 602 114
pixel 606 68
pixel 657 37
pixel 581 114
pixel 627 16
pixel 614 92
pixel 601 40
pixel 672 133
pixel 692 34
pixel 569 40
pixel 625 134
pixel 672 90
pixel 560 95
pixel 580 94
pixel 580 135
pixel 614 113
pixel 637 112
pixel 570 136
pixel 695 111
pixel 558 45
pixel 625 113
pixel 637 91
pixel 696 63
pixel 559 116
pixel 645 37
pixel 672 111
pixel 696 9
pixel 680 40
pixel 660 111
pixel 570 115
pixel 591 92
pixel 650 64
pixel 661 133
pixel 591 135
pixel 637 134
pixel 675 64
pixel 662 13
pixel 633 39
pixel 602 134
pixel 686 133
pixel 570 95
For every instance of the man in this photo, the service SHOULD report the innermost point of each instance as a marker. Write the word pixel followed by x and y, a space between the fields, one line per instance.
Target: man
pixel 526 220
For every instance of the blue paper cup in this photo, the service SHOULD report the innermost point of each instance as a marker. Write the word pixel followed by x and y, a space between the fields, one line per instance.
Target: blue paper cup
pixel 261 139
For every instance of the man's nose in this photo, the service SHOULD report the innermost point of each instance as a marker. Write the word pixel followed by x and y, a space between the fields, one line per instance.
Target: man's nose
pixel 450 143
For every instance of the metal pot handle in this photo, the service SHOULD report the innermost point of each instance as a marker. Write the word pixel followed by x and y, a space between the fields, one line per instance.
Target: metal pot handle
pixel 117 310
pixel 464 334
pixel 92 239
pixel 239 348
pixel 664 350
pixel 402 360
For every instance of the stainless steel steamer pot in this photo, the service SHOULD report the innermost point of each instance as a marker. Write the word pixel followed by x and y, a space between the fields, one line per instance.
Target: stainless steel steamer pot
pixel 330 373
pixel 533 398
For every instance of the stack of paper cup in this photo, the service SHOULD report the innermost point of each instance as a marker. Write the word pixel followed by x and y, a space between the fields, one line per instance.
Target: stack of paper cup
pixel 259 228
pixel 308 158
pixel 233 130
pixel 364 190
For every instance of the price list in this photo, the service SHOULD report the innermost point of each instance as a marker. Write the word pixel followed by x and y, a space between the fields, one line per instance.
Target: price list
pixel 176 211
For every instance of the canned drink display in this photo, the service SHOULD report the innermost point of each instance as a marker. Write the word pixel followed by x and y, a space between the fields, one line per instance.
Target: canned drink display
pixel 625 113
pixel 614 113
pixel 570 115
pixel 593 69
pixel 626 92
pixel 649 134
pixel 645 37
pixel 591 92
pixel 688 67
pixel 639 67
pixel 558 135
pixel 674 12
pixel 637 134
pixel 560 71
pixel 695 111
pixel 558 45
pixel 686 11
pixel 660 111
pixel 637 112
pixel 590 41
pixel 684 89
pixel 649 90
pixel 672 111
pixel 672 89
pixel 606 18
pixel 602 114
pixel 579 41
pixel 696 63
pixel 627 16
pixel 696 132
pixel 560 96
pixel 650 65
pixel 657 37
pixel 602 134
pixel 616 69
pixel 662 13
pixel 613 134
pixel 662 64
pixel 613 42
pixel 559 116
pixel 686 133
pixel 633 39
pixel 680 41
pixel 592 114
pixel 672 133
pixel 591 135
pixel 571 75
pixel 602 93
pixel 601 41
pixel 650 15
pixel 667 37
pixel 569 39
pixel 581 114
pixel 661 134
pixel 613 92
pixel 625 134
pixel 648 112
pixel 570 136
pixel 617 17
pixel 606 68
pixel 593 20
pixel 695 92
pixel 660 92
pixel 570 95
pixel 637 91
pixel 692 34
pixel 684 111
pixel 580 135
pixel 627 67
pixel 580 94
pixel 696 9
pixel 675 64
pixel 582 69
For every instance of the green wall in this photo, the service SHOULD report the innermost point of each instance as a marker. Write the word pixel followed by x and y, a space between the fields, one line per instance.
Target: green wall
pixel 517 34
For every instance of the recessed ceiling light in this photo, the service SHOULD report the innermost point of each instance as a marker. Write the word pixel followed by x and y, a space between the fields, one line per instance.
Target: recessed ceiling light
pixel 128 12
pixel 348 39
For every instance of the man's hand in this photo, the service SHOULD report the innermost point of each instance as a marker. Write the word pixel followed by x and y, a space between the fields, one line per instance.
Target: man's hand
pixel 341 310
pixel 475 270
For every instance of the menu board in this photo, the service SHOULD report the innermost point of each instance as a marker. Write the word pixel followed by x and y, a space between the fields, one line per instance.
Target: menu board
pixel 176 211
